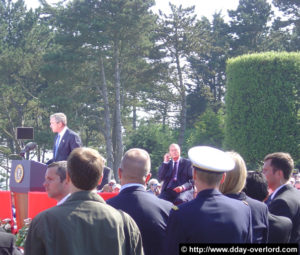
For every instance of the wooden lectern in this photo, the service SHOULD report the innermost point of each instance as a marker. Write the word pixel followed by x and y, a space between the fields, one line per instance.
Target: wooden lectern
pixel 25 176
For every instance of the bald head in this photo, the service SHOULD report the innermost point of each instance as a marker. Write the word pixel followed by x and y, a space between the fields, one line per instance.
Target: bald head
pixel 135 166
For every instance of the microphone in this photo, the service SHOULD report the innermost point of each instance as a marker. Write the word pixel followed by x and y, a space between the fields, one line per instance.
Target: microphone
pixel 28 147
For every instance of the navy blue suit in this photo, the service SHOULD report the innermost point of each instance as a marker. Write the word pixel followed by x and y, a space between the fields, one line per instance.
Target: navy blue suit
pixel 210 218
pixel 68 142
pixel 184 177
pixel 150 214
pixel 287 203
pixel 259 212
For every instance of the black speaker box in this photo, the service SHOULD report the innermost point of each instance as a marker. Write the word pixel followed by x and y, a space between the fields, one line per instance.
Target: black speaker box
pixel 25 133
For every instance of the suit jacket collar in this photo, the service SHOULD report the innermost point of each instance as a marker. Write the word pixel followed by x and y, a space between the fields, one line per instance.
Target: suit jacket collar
pixel 208 192
pixel 283 189
pixel 62 133
pixel 128 185
pixel 84 195
pixel 132 189
pixel 238 196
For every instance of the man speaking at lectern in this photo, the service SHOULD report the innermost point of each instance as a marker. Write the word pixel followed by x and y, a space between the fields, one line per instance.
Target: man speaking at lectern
pixel 66 139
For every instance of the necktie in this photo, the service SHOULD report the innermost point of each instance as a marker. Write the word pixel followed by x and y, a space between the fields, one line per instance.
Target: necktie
pixel 56 145
pixel 174 175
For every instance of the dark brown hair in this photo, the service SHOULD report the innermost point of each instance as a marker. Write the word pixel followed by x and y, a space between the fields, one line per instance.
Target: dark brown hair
pixel 281 161
pixel 85 167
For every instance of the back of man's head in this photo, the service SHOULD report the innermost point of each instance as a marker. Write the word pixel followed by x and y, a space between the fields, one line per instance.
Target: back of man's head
pixel 209 178
pixel 256 186
pixel 85 166
pixel 135 165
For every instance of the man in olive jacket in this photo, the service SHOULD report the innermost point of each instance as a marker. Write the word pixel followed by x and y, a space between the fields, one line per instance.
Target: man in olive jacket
pixel 84 224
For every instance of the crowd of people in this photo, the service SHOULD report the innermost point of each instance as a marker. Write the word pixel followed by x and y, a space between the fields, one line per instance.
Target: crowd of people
pixel 209 197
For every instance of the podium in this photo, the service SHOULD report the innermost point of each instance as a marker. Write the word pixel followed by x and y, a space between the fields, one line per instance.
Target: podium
pixel 25 176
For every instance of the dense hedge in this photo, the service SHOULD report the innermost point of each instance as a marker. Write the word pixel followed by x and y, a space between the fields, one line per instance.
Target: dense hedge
pixel 262 105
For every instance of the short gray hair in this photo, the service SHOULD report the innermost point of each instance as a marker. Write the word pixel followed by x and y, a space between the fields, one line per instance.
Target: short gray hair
pixel 59 117
pixel 61 169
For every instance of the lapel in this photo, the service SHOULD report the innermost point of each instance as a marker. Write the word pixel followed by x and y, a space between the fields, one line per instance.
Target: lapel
pixel 283 189
pixel 63 140
pixel 132 189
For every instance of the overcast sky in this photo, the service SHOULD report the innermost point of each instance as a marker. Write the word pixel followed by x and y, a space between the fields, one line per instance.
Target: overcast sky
pixel 203 7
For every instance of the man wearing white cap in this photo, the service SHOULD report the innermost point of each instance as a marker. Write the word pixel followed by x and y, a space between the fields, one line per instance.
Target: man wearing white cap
pixel 211 217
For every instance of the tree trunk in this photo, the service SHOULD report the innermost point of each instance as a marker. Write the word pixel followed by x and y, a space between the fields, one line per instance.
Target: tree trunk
pixel 118 153
pixel 183 103
pixel 107 125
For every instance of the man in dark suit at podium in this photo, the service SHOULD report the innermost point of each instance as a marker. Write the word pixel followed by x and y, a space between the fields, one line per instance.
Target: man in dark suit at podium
pixel 66 139
pixel 177 175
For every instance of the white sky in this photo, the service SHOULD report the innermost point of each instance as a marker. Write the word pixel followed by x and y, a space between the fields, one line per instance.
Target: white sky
pixel 203 7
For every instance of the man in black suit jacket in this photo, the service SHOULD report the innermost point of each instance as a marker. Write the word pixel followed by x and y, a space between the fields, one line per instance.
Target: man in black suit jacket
pixel 280 227
pixel 7 244
pixel 149 212
pixel 66 139
pixel 177 175
pixel 285 199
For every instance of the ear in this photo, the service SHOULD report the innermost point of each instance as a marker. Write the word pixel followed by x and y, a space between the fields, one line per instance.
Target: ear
pixel 223 178
pixel 194 174
pixel 120 173
pixel 280 176
pixel 100 180
pixel 148 178
pixel 68 179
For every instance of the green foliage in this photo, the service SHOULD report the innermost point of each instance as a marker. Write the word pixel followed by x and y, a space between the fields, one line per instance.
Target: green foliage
pixel 262 105
pixel 249 25
pixel 154 139
pixel 208 130
pixel 291 20
pixel 208 62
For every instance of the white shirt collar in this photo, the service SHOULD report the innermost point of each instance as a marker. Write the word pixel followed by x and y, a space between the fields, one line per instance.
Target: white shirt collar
pixel 276 190
pixel 61 133
pixel 128 185
pixel 63 199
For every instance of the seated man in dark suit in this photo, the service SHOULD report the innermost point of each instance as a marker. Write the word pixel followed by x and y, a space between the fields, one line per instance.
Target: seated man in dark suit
pixel 177 176
pixel 149 212
pixel 280 227
pixel 7 244
pixel 211 217
pixel 66 139
pixel 285 199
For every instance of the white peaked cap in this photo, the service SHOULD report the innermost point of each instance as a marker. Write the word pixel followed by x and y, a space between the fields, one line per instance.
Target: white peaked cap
pixel 210 159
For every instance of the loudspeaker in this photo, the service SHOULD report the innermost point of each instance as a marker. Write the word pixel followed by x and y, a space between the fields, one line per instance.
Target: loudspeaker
pixel 25 133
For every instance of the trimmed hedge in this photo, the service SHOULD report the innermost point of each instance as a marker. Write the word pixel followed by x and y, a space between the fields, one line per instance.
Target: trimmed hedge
pixel 262 105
